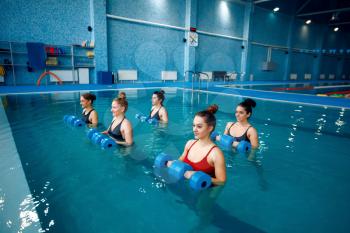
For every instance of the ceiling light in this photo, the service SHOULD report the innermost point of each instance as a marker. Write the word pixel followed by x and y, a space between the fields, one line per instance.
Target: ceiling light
pixel 276 9
pixel 308 21
pixel 336 29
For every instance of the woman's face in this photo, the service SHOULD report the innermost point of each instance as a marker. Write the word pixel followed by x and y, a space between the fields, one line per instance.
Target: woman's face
pixel 84 102
pixel 155 100
pixel 241 114
pixel 200 128
pixel 117 109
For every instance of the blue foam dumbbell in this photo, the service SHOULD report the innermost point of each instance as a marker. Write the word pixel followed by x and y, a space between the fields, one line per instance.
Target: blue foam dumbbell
pixel 108 143
pixel 91 132
pixel 152 121
pixel 200 181
pixel 213 135
pixel 226 140
pixel 65 118
pixel 71 119
pixel 161 160
pixel 97 138
pixel 141 117
pixel 178 169
pixel 243 146
pixel 78 123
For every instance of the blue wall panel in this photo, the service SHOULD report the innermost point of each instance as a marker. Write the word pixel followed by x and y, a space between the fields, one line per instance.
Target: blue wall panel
pixel 50 22
pixel 215 53
pixel 329 65
pixel 258 56
pixel 307 36
pixel 270 28
pixel 301 64
pixel 160 11
pixel 222 17
pixel 148 49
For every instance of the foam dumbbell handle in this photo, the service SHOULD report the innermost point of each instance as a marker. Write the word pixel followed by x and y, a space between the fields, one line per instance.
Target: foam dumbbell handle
pixel 226 140
pixel 200 181
pixel 243 147
pixel 90 133
pixel 178 169
pixel 161 160
pixel 108 143
pixel 65 118
pixel 213 136
pixel 97 138
pixel 152 121
pixel 78 123
pixel 70 120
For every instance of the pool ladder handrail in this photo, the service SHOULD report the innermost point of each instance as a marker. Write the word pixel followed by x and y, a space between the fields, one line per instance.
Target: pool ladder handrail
pixel 197 74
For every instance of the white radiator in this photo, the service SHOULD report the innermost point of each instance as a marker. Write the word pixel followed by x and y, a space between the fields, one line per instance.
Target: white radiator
pixel 169 75
pixel 307 76
pixel 293 77
pixel 64 75
pixel 127 75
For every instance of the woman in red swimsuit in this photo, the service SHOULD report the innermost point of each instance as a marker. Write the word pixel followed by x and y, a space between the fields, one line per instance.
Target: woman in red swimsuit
pixel 202 154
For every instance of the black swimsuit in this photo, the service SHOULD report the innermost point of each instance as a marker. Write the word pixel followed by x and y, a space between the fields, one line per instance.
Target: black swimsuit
pixel 244 137
pixel 116 133
pixel 86 117
pixel 156 115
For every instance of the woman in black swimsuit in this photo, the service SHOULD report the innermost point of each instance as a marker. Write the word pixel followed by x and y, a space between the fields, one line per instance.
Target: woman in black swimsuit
pixel 242 129
pixel 89 114
pixel 158 111
pixel 120 129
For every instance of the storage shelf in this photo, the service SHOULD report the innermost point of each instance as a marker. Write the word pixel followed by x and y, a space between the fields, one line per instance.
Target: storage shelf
pixel 73 57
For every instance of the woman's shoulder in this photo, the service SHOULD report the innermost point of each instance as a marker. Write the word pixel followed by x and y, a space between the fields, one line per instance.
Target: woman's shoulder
pixel 189 143
pixel 252 130
pixel 229 124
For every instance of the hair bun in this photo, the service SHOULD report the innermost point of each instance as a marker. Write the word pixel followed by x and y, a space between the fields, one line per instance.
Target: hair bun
pixel 162 91
pixel 93 97
pixel 213 108
pixel 250 102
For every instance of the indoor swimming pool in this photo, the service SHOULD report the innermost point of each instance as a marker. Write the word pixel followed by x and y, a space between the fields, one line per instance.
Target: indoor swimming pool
pixel 298 181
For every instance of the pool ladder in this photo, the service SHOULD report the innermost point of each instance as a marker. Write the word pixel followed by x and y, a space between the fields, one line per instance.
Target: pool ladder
pixel 196 76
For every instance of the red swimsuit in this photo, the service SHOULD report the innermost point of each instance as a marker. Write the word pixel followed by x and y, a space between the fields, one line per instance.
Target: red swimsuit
pixel 202 165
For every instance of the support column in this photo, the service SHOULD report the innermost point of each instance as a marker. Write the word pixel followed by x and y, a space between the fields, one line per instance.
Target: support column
pixel 245 64
pixel 99 34
pixel 287 66
pixel 190 52
pixel 317 63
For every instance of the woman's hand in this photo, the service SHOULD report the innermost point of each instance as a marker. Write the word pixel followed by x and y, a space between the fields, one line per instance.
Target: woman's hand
pixel 235 144
pixel 188 174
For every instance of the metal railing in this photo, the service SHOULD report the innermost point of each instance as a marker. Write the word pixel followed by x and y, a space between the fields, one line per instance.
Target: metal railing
pixel 195 76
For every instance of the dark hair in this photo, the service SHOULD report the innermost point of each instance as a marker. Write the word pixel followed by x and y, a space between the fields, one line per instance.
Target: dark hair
pixel 122 94
pixel 248 105
pixel 209 116
pixel 122 102
pixel 89 96
pixel 160 95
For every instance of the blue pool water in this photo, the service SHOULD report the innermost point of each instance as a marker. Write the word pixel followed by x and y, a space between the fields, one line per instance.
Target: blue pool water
pixel 297 182
pixel 299 88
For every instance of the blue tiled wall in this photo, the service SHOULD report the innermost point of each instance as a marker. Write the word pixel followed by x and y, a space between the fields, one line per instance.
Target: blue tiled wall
pixel 51 22
pixel 148 49
pixel 151 49
pixel 217 53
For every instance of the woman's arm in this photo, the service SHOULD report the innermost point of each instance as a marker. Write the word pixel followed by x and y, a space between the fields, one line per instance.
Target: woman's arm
pixel 94 117
pixel 126 127
pixel 253 137
pixel 163 114
pixel 220 167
